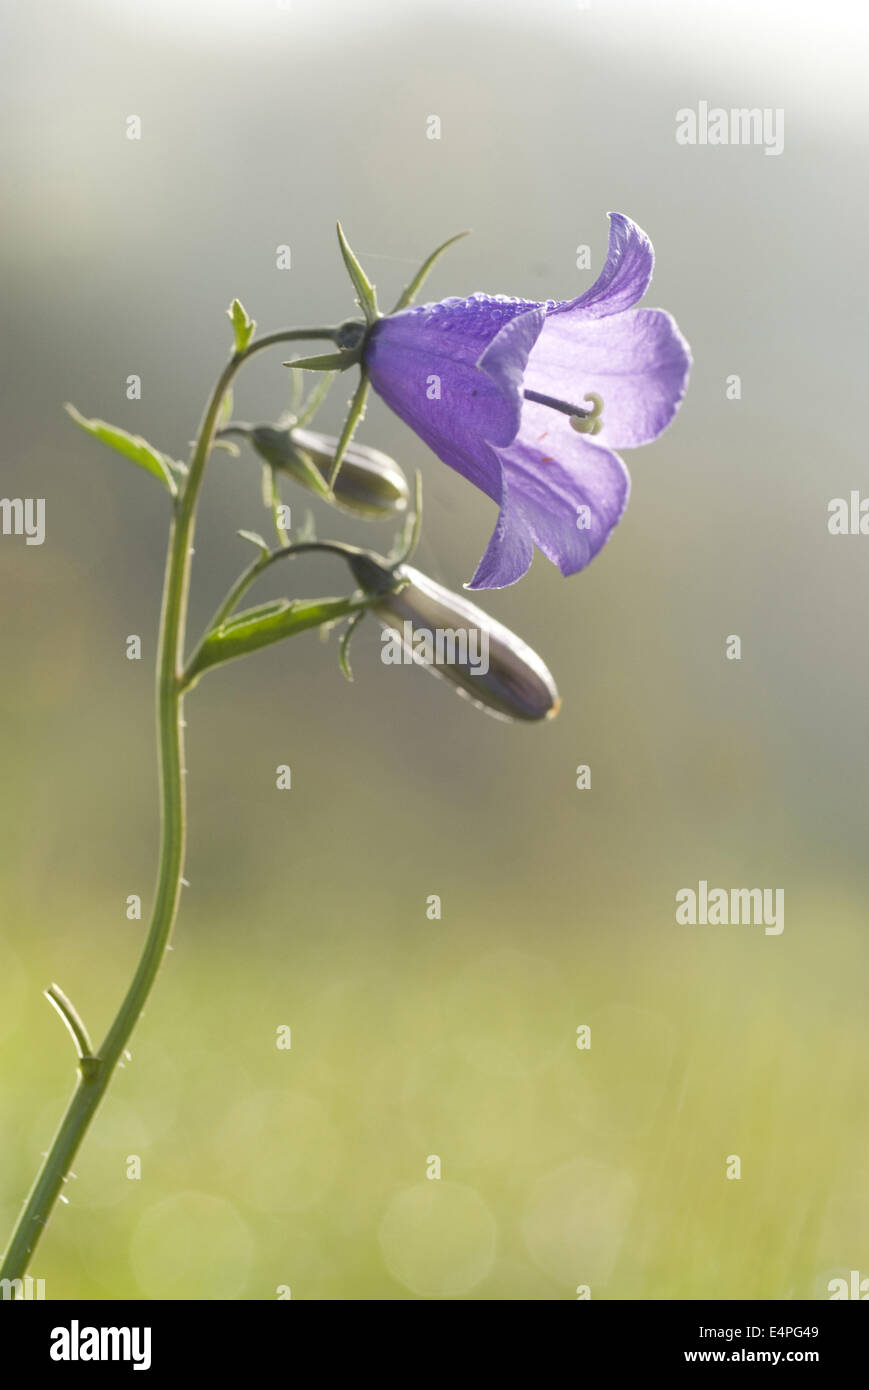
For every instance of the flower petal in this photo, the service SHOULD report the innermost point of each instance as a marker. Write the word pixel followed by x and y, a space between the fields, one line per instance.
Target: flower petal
pixel 625 276
pixel 510 550
pixel 561 492
pixel 638 362
pixel 506 357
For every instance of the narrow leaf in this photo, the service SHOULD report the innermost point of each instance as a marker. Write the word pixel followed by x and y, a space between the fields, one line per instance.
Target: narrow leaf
pixel 243 328
pixel 267 624
pixel 251 620
pixel 365 296
pixel 355 414
pixel 132 446
pixel 410 291
pixel 256 539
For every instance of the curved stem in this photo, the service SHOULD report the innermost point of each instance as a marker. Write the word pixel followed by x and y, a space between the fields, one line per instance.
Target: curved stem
pixel 95 1072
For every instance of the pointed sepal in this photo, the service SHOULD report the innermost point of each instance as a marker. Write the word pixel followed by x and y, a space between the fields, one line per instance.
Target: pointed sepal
pixel 409 293
pixel 365 296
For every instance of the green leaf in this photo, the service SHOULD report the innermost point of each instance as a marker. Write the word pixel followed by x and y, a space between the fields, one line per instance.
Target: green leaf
pixel 132 446
pixel 410 291
pixel 243 327
pixel 269 623
pixel 355 414
pixel 327 361
pixel 256 539
pixel 224 415
pixel 365 296
pixel 228 445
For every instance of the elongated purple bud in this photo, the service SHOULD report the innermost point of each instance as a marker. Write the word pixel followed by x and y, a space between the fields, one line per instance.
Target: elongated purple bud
pixel 427 624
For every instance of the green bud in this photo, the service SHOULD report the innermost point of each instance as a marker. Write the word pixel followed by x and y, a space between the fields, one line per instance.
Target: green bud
pixel 370 483
pixel 454 639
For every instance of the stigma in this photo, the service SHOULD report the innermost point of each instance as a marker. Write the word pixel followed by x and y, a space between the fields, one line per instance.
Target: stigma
pixel 584 421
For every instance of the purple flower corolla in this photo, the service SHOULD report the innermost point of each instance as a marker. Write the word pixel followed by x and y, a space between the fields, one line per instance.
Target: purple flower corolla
pixel 459 373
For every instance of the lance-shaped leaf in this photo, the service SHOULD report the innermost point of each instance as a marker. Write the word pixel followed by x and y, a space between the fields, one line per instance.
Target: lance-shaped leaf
pixel 255 539
pixel 268 623
pixel 365 296
pixel 132 446
pixel 410 291
pixel 243 327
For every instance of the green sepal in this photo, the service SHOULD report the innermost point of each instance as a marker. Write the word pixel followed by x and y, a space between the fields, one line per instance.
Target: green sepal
pixel 365 296
pixel 344 645
pixel 132 446
pixel 327 361
pixel 243 327
pixel 409 293
pixel 305 471
pixel 280 451
pixel 268 623
pixel 407 539
pixel 355 414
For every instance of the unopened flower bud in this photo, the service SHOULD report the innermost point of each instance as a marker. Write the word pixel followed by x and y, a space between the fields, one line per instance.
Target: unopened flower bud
pixel 370 483
pixel 452 638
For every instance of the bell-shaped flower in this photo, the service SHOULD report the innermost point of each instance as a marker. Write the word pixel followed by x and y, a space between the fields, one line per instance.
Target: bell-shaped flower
pixel 527 400
pixel 491 385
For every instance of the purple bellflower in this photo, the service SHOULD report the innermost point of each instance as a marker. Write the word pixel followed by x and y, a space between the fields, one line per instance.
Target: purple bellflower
pixel 491 385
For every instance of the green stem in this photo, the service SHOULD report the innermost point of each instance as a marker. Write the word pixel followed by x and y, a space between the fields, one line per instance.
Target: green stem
pixel 95 1072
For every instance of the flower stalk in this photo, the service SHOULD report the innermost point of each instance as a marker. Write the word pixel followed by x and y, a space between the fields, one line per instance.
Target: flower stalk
pixel 96 1070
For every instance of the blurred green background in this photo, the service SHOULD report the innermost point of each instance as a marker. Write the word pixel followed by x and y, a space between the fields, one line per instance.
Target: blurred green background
pixel 261 124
